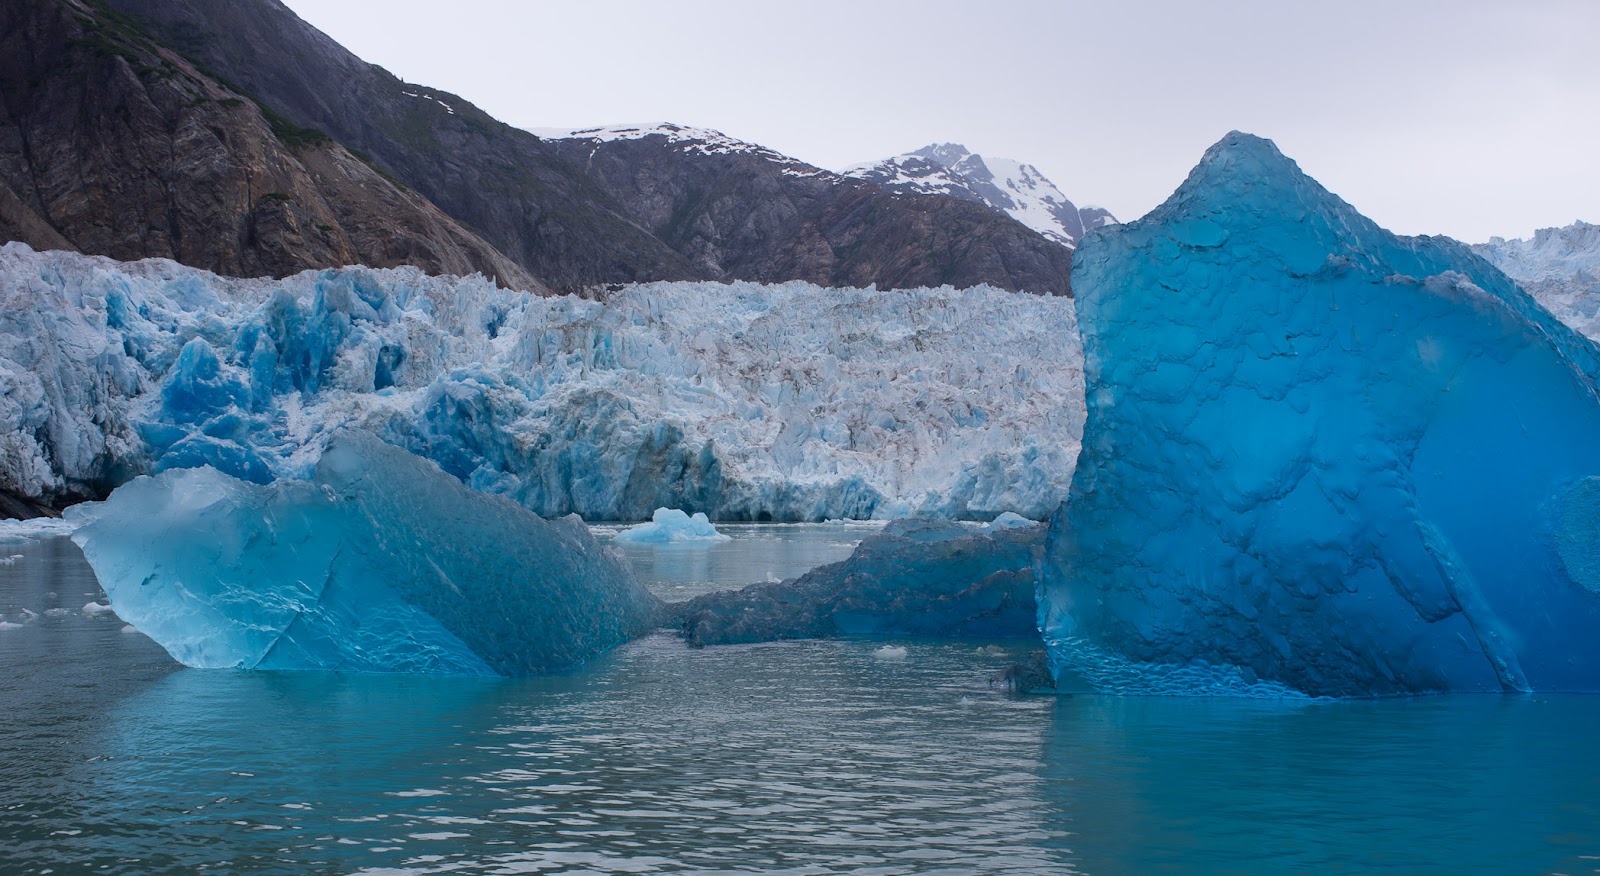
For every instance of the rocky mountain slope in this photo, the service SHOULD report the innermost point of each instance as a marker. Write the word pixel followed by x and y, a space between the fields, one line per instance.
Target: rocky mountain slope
pixel 1558 266
pixel 739 210
pixel 637 209
pixel 115 145
pixel 1009 187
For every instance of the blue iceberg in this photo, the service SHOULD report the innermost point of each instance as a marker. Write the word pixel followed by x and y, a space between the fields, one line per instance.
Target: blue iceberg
pixel 381 562
pixel 924 578
pixel 1320 459
pixel 672 526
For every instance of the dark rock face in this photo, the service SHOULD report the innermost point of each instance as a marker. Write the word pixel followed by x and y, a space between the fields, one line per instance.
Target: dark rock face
pixel 1008 187
pixel 740 211
pixel 113 145
pixel 631 211
pixel 503 183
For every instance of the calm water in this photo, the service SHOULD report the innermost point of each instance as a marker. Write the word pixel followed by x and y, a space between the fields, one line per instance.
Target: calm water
pixel 800 758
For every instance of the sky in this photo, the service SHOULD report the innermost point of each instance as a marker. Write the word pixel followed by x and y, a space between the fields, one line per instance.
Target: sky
pixel 1470 118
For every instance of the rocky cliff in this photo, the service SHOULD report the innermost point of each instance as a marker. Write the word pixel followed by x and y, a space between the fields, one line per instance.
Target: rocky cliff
pixel 112 144
pixel 635 209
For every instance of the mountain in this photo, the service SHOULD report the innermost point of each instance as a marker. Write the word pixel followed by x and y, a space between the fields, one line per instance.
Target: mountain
pixel 1010 187
pixel 579 211
pixel 1558 266
pixel 737 210
pixel 112 144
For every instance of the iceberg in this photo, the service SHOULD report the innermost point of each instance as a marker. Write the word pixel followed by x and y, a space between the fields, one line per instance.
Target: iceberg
pixel 743 401
pixel 923 578
pixel 672 526
pixel 380 562
pixel 1320 459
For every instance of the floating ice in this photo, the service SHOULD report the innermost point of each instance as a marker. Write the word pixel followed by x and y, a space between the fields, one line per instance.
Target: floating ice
pixel 748 402
pixel 381 562
pixel 1009 520
pixel 95 608
pixel 1320 459
pixel 33 530
pixel 916 578
pixel 672 526
pixel 890 652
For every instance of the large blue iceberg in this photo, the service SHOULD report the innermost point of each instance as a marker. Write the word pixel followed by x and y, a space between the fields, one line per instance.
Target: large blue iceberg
pixel 924 578
pixel 381 562
pixel 1320 459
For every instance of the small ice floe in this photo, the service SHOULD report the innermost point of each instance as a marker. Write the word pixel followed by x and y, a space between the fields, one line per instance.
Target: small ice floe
pixel 33 530
pixel 672 526
pixel 7 561
pixel 1008 520
pixel 96 608
pixel 890 652
pixel 128 628
pixel 8 625
pixel 56 612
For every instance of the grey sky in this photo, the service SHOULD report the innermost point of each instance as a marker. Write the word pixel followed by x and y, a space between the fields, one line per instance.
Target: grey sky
pixel 1464 118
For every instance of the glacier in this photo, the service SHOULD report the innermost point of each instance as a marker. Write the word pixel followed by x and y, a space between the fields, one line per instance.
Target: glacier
pixel 380 562
pixel 918 577
pixel 1320 459
pixel 741 401
pixel 1559 267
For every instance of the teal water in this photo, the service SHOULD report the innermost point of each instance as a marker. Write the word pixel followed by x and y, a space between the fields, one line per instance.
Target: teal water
pixel 796 758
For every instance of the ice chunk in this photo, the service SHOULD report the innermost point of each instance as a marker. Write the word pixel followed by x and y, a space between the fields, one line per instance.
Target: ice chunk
pixel 1009 520
pixel 381 562
pixel 890 652
pixel 672 526
pixel 917 577
pixel 1320 459
pixel 94 608
pixel 33 530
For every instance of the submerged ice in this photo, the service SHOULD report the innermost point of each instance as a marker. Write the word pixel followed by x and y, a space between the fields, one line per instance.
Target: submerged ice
pixel 1319 458
pixel 381 562
pixel 743 401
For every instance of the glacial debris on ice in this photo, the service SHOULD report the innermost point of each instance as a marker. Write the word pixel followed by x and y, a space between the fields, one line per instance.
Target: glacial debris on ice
pixel 1319 458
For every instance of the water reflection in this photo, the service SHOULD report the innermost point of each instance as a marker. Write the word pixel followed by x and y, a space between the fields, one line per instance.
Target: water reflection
pixel 1431 785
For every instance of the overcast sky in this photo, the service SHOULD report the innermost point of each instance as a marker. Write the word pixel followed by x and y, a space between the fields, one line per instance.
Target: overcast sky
pixel 1454 117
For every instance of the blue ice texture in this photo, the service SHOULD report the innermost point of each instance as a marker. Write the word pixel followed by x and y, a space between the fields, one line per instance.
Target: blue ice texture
pixel 380 562
pixel 743 401
pixel 1320 459
pixel 919 578
pixel 672 526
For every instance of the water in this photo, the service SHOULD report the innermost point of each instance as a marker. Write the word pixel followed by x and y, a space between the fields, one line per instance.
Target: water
pixel 797 758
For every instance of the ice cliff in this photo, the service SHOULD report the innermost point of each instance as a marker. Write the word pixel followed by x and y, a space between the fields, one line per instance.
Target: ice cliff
pixel 1560 267
pixel 381 562
pixel 916 578
pixel 1319 458
pixel 742 401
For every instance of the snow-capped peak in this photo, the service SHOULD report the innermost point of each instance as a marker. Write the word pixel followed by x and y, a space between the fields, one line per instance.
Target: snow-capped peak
pixel 1011 187
pixel 703 141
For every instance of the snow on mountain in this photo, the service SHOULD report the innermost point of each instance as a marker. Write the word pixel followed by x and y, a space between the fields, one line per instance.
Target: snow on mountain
pixel 745 401
pixel 1006 186
pixel 1558 266
pixel 700 141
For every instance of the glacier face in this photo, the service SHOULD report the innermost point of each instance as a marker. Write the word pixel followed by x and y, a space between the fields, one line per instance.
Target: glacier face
pixel 743 401
pixel 1560 267
pixel 380 562
pixel 1319 458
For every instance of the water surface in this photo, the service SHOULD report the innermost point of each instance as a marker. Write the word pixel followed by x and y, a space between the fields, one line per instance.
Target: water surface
pixel 795 758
